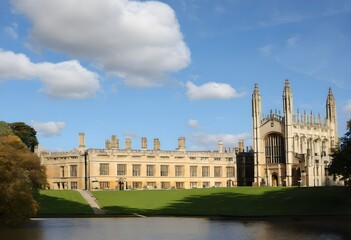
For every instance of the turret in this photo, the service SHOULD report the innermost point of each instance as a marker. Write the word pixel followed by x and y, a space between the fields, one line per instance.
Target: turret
pixel 331 117
pixel 289 141
pixel 287 102
pixel 256 117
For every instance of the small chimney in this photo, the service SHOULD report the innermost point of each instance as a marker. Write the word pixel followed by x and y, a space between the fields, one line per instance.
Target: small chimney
pixel 81 140
pixel 143 143
pixel 181 144
pixel 157 144
pixel 114 142
pixel 108 144
pixel 220 147
pixel 241 145
pixel 128 144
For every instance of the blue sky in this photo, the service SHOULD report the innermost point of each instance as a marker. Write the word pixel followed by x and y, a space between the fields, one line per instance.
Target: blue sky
pixel 167 69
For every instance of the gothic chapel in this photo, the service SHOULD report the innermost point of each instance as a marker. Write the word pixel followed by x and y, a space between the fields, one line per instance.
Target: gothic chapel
pixel 290 149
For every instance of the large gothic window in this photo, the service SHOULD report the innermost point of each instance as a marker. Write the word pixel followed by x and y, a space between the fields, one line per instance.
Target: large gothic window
pixel 274 148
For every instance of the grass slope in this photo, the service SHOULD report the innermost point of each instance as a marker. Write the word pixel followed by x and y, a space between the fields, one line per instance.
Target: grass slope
pixel 241 201
pixel 62 202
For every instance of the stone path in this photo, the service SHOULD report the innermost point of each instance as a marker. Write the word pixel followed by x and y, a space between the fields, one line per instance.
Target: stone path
pixel 91 201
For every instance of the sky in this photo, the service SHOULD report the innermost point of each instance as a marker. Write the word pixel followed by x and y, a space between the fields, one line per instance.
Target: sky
pixel 168 69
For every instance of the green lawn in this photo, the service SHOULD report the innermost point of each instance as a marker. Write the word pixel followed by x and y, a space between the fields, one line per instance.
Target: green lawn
pixel 62 203
pixel 241 201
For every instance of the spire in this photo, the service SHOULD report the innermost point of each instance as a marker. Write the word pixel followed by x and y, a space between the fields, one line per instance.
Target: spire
pixel 330 106
pixel 256 102
pixel 287 99
pixel 287 85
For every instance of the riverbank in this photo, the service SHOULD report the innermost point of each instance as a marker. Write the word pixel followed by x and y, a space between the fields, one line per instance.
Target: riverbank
pixel 224 203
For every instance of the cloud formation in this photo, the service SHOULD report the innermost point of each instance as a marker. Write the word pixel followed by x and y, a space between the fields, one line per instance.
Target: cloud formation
pixel 202 140
pixel 63 80
pixel 48 129
pixel 347 107
pixel 193 123
pixel 211 90
pixel 137 41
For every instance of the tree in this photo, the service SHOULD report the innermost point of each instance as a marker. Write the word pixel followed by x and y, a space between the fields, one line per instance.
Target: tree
pixel 21 175
pixel 341 158
pixel 26 133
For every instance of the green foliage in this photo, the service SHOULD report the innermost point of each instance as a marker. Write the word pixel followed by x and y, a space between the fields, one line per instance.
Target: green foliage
pixel 341 157
pixel 21 174
pixel 5 128
pixel 26 133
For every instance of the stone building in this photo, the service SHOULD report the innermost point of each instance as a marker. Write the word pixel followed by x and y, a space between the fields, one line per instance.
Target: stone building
pixel 292 149
pixel 121 169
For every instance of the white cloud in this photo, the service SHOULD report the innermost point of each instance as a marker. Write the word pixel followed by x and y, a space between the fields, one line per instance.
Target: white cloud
pixel 292 41
pixel 266 50
pixel 137 41
pixel 211 90
pixel 219 9
pixel 202 140
pixel 129 134
pixel 347 107
pixel 193 123
pixel 11 31
pixel 63 80
pixel 48 129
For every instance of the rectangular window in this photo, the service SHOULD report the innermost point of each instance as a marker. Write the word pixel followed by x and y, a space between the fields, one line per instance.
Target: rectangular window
pixel 150 170
pixel 205 171
pixel 205 184
pixel 193 184
pixel 193 171
pixel 179 185
pixel 151 185
pixel 165 185
pixel 217 159
pixel 62 171
pixel 164 170
pixel 218 171
pixel 74 185
pixel 104 169
pixel 137 185
pixel 230 172
pixel 218 184
pixel 121 169
pixel 136 170
pixel 73 170
pixel 229 159
pixel 104 185
pixel 179 170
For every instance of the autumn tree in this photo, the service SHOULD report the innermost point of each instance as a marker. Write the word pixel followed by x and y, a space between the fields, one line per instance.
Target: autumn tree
pixel 26 133
pixel 21 175
pixel 341 158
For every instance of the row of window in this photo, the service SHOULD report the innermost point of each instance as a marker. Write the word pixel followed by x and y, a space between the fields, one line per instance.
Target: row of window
pixel 163 185
pixel 72 171
pixel 164 170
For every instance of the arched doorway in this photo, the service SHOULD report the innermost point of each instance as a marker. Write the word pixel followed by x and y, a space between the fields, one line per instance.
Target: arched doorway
pixel 229 183
pixel 274 180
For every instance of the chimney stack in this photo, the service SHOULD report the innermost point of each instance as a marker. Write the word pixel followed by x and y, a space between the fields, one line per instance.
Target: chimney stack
pixel 143 143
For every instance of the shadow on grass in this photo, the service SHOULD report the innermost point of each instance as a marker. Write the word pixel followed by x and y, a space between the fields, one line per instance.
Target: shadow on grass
pixel 57 207
pixel 280 202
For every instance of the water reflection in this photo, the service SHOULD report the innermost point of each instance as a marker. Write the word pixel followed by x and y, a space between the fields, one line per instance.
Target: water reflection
pixel 178 228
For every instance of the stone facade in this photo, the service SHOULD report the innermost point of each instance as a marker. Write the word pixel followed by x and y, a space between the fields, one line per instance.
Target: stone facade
pixel 121 169
pixel 292 149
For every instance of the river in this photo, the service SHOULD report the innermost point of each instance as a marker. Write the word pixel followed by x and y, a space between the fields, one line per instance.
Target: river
pixel 178 228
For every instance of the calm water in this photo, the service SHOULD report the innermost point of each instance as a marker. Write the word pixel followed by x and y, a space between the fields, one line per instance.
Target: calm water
pixel 177 228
